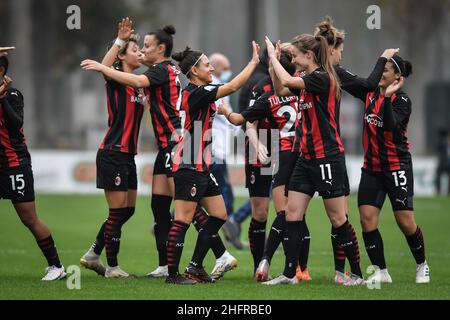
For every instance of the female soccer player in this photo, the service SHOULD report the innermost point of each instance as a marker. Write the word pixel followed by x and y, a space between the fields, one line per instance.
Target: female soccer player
pixel 321 166
pixel 194 183
pixel 335 39
pixel 116 167
pixel 16 174
pixel 388 168
pixel 162 84
pixel 281 112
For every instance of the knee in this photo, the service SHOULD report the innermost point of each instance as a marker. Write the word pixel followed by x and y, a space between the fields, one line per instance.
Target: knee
pixel 337 220
pixel 407 225
pixel 369 222
pixel 260 213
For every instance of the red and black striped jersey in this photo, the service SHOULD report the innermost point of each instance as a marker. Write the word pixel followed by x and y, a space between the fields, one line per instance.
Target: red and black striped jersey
pixel 125 110
pixel 320 116
pixel 281 112
pixel 165 102
pixel 296 144
pixel 13 148
pixel 386 146
pixel 193 151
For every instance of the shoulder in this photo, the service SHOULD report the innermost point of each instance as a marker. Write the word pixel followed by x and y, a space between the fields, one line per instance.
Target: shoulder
pixel 402 97
pixel 14 94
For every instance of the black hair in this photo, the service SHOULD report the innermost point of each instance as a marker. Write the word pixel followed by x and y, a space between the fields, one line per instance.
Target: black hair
pixel 4 63
pixel 165 36
pixel 286 61
pixel 118 63
pixel 333 36
pixel 402 66
pixel 187 59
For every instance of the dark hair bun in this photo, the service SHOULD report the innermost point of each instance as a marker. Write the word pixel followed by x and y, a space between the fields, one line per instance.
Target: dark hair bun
pixel 169 29
pixel 408 69
pixel 181 55
pixel 325 28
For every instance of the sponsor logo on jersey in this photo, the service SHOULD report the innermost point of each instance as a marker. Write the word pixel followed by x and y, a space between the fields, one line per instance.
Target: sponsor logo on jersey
pixel 304 105
pixel 374 120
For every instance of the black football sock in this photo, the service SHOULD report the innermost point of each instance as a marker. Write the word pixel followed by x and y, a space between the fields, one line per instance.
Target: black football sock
pixel 275 235
pixel 175 244
pixel 99 242
pixel 257 237
pixel 304 249
pixel 417 245
pixel 217 246
pixel 346 237
pixel 292 239
pixel 161 213
pixel 113 232
pixel 48 248
pixel 211 227
pixel 338 253
pixel 375 248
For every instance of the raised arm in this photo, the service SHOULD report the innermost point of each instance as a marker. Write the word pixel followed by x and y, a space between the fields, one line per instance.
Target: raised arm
pixel 280 90
pixel 395 112
pixel 5 50
pixel 359 87
pixel 284 77
pixel 125 30
pixel 240 80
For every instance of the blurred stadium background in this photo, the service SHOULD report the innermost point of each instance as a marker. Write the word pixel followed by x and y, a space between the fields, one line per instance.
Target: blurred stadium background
pixel 66 113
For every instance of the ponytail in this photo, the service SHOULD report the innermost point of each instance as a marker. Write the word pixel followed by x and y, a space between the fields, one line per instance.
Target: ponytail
pixel 319 47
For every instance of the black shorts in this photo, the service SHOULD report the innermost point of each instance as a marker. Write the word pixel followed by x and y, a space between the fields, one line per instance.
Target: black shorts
pixel 193 186
pixel 163 162
pixel 17 184
pixel 258 184
pixel 346 184
pixel 326 176
pixel 116 171
pixel 398 185
pixel 284 168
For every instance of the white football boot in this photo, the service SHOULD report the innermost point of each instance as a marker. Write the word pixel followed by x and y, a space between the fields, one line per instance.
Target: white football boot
pixel 54 273
pixel 422 273
pixel 281 279
pixel 115 272
pixel 90 260
pixel 160 272
pixel 223 264
pixel 379 276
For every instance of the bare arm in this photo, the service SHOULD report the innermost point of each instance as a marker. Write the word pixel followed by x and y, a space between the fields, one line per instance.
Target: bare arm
pixel 128 79
pixel 280 90
pixel 284 77
pixel 233 117
pixel 252 133
pixel 125 28
pixel 240 80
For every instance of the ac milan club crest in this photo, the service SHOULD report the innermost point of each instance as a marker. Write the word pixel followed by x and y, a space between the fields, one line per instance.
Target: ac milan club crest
pixel 252 178
pixel 193 191
pixel 118 180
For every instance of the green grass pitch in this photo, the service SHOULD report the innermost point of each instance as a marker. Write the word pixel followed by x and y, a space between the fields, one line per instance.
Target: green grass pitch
pixel 74 221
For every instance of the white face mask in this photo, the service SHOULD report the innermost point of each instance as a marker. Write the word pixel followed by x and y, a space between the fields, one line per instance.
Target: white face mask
pixel 225 76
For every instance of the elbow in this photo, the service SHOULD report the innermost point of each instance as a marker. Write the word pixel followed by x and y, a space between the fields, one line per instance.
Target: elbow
pixel 139 83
